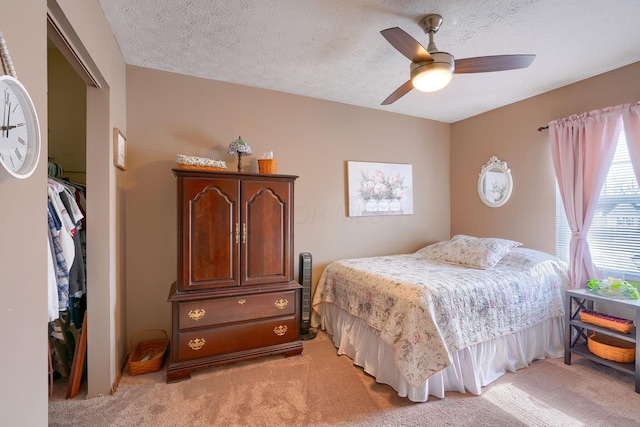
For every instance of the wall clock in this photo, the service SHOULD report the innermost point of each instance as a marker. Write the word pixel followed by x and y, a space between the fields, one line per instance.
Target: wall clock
pixel 20 130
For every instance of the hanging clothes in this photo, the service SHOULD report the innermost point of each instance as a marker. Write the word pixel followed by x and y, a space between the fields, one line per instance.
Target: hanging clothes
pixel 66 204
pixel 61 272
pixel 67 265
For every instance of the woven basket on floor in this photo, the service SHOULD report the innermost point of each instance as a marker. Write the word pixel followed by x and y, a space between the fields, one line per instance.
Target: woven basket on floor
pixel 147 356
pixel 611 348
pixel 267 166
pixel 594 319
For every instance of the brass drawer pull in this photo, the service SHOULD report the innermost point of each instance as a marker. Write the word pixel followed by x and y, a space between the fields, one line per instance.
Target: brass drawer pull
pixel 196 314
pixel 281 304
pixel 196 344
pixel 241 301
pixel 280 330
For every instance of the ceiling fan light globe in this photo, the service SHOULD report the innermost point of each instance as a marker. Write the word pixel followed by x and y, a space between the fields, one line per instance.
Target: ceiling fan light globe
pixel 431 80
pixel 434 75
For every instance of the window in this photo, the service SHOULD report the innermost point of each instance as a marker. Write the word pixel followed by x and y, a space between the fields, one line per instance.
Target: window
pixel 614 236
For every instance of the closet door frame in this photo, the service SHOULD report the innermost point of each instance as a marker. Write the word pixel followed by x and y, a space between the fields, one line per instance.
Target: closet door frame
pixel 102 279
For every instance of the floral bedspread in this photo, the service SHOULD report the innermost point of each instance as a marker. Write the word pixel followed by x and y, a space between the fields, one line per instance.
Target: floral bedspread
pixel 428 310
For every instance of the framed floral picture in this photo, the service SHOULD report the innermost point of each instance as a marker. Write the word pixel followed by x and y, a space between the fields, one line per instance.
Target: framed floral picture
pixel 379 188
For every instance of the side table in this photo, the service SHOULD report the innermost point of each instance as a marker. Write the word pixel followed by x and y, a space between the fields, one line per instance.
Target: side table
pixel 582 299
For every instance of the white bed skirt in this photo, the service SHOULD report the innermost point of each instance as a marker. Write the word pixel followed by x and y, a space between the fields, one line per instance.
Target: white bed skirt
pixel 473 367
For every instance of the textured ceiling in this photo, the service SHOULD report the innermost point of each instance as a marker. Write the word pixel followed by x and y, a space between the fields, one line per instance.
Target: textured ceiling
pixel 333 50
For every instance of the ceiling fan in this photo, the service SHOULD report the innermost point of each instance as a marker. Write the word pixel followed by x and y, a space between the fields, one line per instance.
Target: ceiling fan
pixel 431 69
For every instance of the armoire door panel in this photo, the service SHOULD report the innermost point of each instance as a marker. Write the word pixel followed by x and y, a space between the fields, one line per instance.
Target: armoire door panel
pixel 266 212
pixel 210 244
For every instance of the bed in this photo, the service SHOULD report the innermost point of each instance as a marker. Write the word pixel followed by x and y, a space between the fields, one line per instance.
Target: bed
pixel 453 316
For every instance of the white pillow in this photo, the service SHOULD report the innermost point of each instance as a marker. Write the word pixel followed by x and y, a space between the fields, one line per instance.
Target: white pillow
pixel 469 251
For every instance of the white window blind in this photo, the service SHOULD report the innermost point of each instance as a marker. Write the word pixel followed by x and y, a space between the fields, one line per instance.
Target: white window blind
pixel 614 236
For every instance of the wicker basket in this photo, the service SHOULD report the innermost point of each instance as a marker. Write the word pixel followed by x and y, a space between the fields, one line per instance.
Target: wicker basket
pixel 267 166
pixel 199 163
pixel 593 318
pixel 199 168
pixel 611 348
pixel 147 356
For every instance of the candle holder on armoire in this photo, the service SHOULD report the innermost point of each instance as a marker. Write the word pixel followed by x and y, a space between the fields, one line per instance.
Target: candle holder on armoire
pixel 239 148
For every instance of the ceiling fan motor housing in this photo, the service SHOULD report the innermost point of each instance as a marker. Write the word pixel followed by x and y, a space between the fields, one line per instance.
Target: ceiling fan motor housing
pixel 440 60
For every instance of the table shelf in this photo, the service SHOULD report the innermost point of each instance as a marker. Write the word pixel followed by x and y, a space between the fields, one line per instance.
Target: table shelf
pixel 630 337
pixel 582 350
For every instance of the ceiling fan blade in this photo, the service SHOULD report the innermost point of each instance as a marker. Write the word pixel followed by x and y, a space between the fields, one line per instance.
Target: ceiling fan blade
pixel 398 93
pixel 484 64
pixel 406 45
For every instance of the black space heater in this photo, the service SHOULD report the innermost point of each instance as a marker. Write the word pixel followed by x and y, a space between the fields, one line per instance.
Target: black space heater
pixel 304 277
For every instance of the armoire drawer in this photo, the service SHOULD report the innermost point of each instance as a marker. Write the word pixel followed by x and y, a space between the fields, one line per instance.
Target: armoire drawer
pixel 210 312
pixel 236 337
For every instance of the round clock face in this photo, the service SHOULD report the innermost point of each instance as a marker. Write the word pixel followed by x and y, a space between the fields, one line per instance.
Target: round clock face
pixel 20 132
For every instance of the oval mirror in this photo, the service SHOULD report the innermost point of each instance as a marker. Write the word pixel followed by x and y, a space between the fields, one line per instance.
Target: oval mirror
pixel 495 183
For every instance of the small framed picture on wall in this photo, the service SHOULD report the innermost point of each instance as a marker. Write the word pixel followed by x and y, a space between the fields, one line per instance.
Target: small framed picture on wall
pixel 119 149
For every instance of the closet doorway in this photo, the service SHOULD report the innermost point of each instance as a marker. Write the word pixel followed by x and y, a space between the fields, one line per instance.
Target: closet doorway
pixel 78 134
pixel 67 169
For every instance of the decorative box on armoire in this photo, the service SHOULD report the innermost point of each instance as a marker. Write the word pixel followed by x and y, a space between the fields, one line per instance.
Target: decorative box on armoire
pixel 235 297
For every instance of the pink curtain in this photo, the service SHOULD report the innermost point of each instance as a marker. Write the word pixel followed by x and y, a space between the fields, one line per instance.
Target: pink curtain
pixel 582 147
pixel 631 119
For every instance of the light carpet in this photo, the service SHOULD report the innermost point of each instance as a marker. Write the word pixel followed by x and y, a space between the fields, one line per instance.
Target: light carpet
pixel 321 388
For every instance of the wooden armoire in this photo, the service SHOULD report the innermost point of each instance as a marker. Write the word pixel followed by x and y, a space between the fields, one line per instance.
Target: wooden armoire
pixel 235 297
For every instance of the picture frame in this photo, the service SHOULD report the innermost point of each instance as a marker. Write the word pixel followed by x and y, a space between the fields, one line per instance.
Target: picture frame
pixel 119 149
pixel 379 188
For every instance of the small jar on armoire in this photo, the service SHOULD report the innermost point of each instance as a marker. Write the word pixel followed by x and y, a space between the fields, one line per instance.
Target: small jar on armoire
pixel 235 297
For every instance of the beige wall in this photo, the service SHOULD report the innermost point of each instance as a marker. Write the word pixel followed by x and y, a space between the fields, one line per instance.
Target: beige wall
pixel 170 114
pixel 67 117
pixel 510 133
pixel 23 251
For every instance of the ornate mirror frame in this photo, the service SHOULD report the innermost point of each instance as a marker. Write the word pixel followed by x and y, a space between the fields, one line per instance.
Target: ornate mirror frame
pixel 495 183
